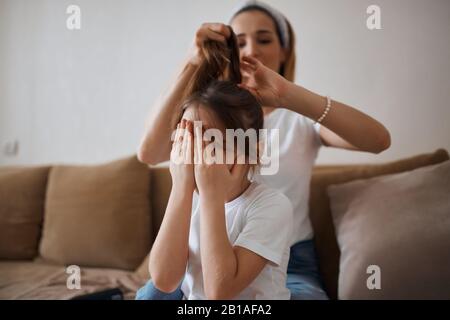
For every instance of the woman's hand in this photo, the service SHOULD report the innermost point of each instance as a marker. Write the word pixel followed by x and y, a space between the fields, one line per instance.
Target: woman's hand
pixel 265 84
pixel 181 158
pixel 207 31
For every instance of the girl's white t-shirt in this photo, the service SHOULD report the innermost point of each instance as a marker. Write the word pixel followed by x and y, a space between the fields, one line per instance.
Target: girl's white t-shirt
pixel 299 143
pixel 259 220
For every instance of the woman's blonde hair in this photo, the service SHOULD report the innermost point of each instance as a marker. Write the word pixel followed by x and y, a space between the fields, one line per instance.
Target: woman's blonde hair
pixel 288 67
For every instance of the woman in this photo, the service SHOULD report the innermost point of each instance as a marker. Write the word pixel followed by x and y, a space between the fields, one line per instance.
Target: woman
pixel 267 53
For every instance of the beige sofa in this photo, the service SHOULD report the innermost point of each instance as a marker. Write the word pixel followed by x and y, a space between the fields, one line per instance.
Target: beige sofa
pixel 104 218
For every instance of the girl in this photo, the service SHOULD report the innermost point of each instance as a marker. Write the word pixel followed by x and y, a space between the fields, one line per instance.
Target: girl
pixel 220 242
pixel 267 54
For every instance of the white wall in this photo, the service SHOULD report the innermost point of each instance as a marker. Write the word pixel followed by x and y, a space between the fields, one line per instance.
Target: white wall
pixel 82 96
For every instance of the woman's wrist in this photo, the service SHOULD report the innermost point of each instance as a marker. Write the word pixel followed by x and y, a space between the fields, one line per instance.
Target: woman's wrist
pixel 304 102
pixel 288 94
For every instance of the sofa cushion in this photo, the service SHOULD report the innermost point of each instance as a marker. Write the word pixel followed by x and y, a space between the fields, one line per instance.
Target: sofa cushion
pixel 399 226
pixel 22 195
pixel 98 216
pixel 324 234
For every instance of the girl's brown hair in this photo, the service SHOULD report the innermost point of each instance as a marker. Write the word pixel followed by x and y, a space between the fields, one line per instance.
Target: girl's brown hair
pixel 214 86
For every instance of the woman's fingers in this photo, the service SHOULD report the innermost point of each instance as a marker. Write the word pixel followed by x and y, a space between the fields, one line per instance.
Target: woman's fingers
pixel 251 61
pixel 211 35
pixel 249 67
pixel 213 31
pixel 219 28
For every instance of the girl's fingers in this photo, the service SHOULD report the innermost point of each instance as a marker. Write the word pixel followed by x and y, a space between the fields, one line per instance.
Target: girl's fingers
pixel 184 141
pixel 197 145
pixel 188 152
pixel 187 144
pixel 176 146
pixel 177 134
pixel 208 157
pixel 182 130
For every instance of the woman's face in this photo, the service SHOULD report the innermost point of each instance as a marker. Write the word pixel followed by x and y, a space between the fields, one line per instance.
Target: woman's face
pixel 257 37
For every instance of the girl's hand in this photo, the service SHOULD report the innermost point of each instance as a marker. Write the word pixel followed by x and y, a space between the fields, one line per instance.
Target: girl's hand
pixel 207 31
pixel 266 85
pixel 214 179
pixel 181 158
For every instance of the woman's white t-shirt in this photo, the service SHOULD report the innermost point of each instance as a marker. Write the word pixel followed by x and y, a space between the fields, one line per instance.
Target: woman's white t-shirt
pixel 299 143
pixel 260 220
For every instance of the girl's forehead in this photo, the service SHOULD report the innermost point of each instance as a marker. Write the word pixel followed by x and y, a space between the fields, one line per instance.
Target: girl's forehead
pixel 205 115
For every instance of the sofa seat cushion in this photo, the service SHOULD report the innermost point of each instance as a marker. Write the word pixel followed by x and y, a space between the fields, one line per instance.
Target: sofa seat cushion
pixel 45 281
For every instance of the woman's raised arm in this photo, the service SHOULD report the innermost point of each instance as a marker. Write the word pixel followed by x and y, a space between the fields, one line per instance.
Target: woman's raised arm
pixel 156 144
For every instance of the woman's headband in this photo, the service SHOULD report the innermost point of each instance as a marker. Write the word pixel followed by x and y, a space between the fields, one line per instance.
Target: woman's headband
pixel 277 16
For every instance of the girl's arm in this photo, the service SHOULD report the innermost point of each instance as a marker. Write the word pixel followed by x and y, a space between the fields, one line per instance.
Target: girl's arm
pixel 155 144
pixel 169 254
pixel 227 270
pixel 343 127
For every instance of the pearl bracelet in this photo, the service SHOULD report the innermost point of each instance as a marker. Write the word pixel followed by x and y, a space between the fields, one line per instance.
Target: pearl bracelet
pixel 324 114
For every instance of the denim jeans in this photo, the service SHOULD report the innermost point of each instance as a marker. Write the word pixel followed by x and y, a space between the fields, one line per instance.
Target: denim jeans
pixel 303 278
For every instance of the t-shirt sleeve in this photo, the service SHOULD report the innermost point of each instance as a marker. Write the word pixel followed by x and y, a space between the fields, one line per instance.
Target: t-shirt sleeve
pixel 317 138
pixel 195 201
pixel 268 227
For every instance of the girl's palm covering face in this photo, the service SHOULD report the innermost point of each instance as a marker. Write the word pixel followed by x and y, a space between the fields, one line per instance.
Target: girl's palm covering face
pixel 207 121
pixel 232 176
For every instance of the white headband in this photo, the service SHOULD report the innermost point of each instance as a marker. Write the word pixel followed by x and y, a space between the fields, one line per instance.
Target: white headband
pixel 277 16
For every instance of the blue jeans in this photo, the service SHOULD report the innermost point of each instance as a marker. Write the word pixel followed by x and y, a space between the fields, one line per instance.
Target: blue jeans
pixel 303 278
